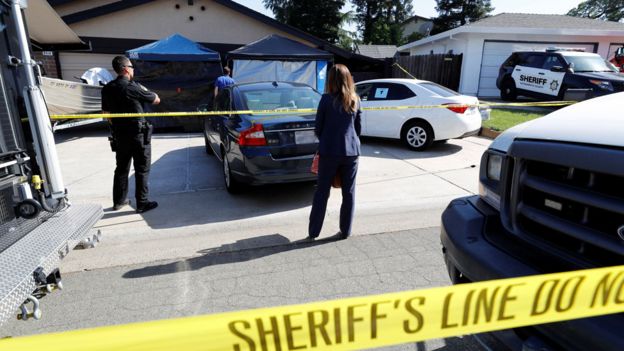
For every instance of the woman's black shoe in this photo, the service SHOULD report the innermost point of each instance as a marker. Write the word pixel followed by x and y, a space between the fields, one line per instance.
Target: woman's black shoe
pixel 117 207
pixel 340 236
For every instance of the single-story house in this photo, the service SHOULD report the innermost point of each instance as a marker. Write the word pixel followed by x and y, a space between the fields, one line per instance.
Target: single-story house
pixel 114 26
pixel 485 44
pixel 416 24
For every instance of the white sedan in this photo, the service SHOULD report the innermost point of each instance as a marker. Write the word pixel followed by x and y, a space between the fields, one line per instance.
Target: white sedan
pixel 416 127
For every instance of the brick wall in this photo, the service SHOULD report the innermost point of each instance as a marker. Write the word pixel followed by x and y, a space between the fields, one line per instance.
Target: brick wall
pixel 49 61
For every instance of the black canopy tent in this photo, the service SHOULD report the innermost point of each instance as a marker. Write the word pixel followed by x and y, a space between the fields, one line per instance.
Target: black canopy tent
pixel 181 71
pixel 275 47
pixel 278 58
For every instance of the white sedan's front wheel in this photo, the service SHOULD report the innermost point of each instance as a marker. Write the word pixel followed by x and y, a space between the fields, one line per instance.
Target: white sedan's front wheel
pixel 417 135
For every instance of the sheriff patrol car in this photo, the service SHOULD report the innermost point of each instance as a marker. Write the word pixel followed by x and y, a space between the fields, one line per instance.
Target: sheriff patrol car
pixel 549 75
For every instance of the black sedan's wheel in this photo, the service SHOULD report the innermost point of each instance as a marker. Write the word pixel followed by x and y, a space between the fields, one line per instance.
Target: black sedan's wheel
pixel 208 148
pixel 417 135
pixel 508 90
pixel 231 184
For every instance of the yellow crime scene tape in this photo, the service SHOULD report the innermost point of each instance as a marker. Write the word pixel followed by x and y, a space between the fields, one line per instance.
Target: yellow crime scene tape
pixel 404 70
pixel 298 111
pixel 304 110
pixel 363 322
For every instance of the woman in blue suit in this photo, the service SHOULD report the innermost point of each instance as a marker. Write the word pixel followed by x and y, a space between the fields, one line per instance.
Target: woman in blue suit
pixel 338 127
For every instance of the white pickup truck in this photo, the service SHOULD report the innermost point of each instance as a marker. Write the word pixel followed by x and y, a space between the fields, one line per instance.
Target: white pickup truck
pixel 551 199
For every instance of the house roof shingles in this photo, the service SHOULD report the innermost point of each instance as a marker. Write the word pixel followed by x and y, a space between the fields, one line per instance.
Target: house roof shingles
pixel 527 20
pixel 377 51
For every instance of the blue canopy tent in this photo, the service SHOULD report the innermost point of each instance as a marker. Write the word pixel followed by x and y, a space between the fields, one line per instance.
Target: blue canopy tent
pixel 181 71
pixel 174 48
pixel 275 58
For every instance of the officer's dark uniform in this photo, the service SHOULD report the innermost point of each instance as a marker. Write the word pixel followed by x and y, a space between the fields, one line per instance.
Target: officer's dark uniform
pixel 131 136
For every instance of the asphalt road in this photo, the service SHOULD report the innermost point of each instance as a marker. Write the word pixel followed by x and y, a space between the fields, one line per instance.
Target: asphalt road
pixel 234 278
pixel 204 250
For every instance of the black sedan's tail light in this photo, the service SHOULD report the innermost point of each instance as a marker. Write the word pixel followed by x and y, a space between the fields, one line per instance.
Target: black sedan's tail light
pixel 253 136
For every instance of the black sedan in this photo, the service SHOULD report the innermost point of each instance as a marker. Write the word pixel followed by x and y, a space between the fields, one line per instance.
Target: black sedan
pixel 263 148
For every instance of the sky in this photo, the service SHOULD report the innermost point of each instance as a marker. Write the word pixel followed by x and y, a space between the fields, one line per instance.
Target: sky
pixel 426 8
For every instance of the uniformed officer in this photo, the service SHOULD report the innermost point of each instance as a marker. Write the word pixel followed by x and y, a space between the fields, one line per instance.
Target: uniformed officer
pixel 131 138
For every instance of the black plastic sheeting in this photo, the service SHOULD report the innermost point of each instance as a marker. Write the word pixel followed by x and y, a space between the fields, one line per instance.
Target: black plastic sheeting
pixel 181 86
pixel 275 47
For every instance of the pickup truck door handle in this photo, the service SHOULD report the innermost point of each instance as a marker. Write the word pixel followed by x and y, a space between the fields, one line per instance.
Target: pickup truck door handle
pixel 541 73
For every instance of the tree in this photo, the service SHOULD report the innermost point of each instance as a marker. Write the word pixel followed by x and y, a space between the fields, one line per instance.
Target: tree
pixel 321 18
pixel 610 10
pixel 347 39
pixel 380 21
pixel 455 13
pixel 413 37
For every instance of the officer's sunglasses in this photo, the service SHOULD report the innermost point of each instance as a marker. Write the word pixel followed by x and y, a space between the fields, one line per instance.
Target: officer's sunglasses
pixel 130 67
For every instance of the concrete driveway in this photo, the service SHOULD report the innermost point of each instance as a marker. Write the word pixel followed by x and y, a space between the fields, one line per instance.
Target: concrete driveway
pixel 397 189
pixel 205 251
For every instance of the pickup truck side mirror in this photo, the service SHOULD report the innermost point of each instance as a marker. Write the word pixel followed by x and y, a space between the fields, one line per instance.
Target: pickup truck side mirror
pixel 619 52
pixel 557 69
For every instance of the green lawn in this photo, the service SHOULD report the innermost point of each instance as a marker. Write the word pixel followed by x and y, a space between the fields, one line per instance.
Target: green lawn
pixel 501 119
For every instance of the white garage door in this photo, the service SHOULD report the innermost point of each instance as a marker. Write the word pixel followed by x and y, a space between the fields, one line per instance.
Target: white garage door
pixel 495 52
pixel 73 65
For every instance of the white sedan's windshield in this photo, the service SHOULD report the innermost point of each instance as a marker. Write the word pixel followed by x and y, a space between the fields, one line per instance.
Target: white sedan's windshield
pixel 587 63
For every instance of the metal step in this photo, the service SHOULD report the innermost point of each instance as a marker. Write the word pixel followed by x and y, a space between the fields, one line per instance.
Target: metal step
pixel 70 124
pixel 44 247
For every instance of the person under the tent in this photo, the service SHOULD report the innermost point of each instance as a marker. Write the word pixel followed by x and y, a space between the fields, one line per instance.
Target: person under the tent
pixel 224 81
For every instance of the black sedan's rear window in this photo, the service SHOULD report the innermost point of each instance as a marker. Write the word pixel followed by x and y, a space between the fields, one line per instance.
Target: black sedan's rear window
pixel 280 98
